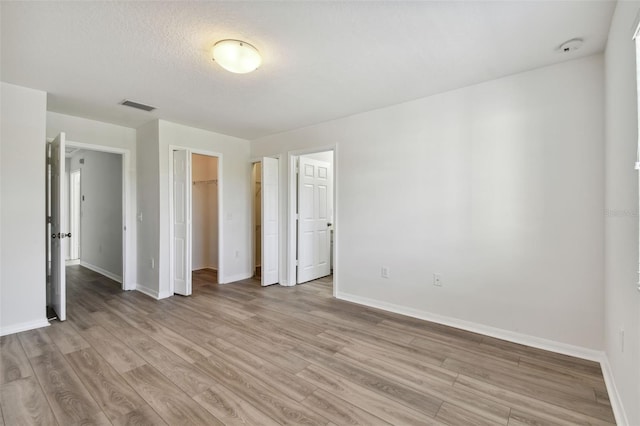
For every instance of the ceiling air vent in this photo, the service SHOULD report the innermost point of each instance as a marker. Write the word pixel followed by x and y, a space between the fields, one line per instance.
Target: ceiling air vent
pixel 137 105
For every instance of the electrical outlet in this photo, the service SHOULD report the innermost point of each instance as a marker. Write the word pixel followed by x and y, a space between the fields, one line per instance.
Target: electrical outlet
pixel 384 272
pixel 622 340
pixel 437 280
pixel 153 263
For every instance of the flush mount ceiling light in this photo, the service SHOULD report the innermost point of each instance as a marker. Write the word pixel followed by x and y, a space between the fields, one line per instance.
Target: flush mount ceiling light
pixel 236 56
pixel 571 45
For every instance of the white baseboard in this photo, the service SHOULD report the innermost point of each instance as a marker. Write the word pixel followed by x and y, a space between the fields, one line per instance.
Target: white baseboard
pixel 25 326
pixel 238 277
pixel 101 271
pixel 211 268
pixel 614 397
pixel 152 292
pixel 498 333
pixel 72 262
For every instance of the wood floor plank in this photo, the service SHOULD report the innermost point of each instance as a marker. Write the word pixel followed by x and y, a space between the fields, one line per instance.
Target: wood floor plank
pixel 285 382
pixel 144 416
pixel 529 405
pixel 14 363
pixel 453 415
pixel 519 418
pixel 179 371
pixel 372 402
pixel 231 409
pixel 69 399
pixel 588 406
pixel 260 347
pixel 371 380
pixel 113 350
pixel 339 411
pixel 115 397
pixel 267 399
pixel 36 343
pixel 23 403
pixel 171 403
pixel 435 387
pixel 66 338
pixel 514 377
pixel 188 350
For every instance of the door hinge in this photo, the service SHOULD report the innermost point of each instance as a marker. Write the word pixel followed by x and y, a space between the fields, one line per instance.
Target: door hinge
pixel 297 263
pixel 297 216
pixel 48 219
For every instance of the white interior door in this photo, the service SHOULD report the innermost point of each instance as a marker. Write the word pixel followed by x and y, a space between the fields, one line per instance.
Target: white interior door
pixel 181 222
pixel 269 221
pixel 314 242
pixel 57 293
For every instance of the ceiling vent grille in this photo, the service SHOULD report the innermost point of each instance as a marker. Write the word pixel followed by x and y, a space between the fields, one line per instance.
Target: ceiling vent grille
pixel 137 105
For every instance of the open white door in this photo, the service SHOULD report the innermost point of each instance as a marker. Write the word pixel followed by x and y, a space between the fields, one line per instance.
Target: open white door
pixel 269 221
pixel 314 243
pixel 181 222
pixel 58 293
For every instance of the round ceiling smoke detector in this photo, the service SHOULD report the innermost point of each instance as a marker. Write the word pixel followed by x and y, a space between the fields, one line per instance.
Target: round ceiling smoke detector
pixel 571 45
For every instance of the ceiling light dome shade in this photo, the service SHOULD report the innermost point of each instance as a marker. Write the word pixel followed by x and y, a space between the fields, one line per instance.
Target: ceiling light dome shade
pixel 236 56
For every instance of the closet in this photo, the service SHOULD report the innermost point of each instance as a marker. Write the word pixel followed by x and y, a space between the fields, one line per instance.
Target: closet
pixel 204 212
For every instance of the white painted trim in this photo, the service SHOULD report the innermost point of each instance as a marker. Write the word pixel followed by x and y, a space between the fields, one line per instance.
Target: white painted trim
pixel 211 268
pixel 237 277
pixel 25 326
pixel 614 396
pixel 101 271
pixel 498 333
pixel 291 221
pixel 191 151
pixel 72 262
pixel 152 292
pixel 635 29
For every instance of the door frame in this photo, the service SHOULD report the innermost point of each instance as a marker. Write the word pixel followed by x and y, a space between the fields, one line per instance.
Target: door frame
pixel 128 256
pixel 281 228
pixel 292 247
pixel 70 201
pixel 190 152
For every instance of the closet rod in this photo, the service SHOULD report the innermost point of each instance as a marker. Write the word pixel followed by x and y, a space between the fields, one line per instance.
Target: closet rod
pixel 214 181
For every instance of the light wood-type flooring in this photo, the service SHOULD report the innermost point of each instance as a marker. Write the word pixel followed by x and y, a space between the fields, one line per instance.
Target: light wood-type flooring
pixel 242 354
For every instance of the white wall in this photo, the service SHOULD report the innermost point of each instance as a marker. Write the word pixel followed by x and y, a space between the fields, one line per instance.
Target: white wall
pixel 148 217
pixel 498 186
pixel 204 212
pixel 100 210
pixel 22 208
pixel 622 299
pixel 234 187
pixel 84 131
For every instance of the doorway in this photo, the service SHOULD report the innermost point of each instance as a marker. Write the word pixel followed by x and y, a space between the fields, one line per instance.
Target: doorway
pixel 312 218
pixel 87 193
pixel 195 197
pixel 204 214
pixel 266 218
pixel 256 184
pixel 94 211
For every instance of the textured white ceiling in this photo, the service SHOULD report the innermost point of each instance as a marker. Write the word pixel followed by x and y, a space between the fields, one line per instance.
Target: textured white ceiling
pixel 322 60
